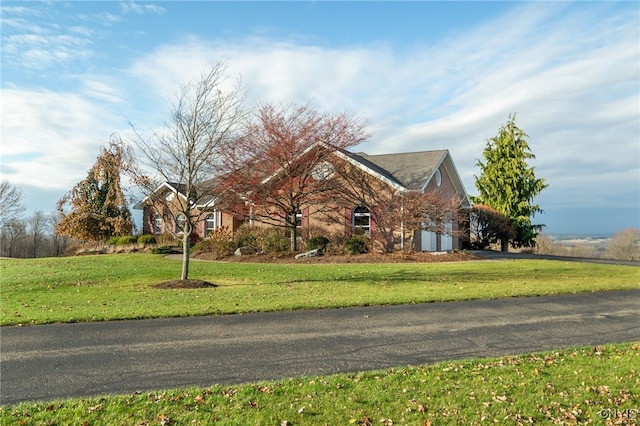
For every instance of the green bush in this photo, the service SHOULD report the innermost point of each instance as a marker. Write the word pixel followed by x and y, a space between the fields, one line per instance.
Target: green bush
pixel 246 236
pixel 146 239
pixel 127 239
pixel 356 245
pixel 262 240
pixel 113 241
pixel 272 241
pixel 162 250
pixel 318 242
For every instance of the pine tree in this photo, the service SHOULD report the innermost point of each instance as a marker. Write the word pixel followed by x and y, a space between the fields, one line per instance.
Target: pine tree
pixel 508 184
pixel 98 208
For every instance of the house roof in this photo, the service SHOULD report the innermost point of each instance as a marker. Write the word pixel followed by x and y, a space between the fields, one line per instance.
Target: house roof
pixel 204 196
pixel 412 170
pixel 408 171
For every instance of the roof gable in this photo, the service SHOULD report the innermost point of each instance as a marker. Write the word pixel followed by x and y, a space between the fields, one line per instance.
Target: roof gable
pixel 412 170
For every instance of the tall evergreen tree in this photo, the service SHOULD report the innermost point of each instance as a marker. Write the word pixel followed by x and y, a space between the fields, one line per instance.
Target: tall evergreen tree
pixel 508 184
pixel 97 206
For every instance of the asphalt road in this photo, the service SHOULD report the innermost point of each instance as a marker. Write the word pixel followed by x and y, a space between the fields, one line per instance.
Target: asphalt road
pixel 55 361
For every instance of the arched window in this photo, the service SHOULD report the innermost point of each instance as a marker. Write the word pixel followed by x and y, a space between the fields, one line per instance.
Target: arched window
pixel 180 220
pixel 157 224
pixel 362 219
pixel 209 223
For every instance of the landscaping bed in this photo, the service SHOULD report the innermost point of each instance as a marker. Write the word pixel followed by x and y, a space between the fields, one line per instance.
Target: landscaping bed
pixel 398 257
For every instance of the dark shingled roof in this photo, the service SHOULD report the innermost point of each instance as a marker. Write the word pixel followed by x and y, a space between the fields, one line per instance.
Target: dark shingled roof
pixel 410 169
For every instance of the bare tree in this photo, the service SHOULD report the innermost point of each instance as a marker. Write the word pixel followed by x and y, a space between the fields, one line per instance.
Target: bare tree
pixel 12 232
pixel 625 245
pixel 37 224
pixel 11 207
pixel 58 242
pixel 205 117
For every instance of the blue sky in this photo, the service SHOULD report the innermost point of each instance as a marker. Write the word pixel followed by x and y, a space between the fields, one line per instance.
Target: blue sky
pixel 425 75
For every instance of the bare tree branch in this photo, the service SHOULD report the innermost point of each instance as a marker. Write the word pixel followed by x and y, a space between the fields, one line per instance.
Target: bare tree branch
pixel 206 117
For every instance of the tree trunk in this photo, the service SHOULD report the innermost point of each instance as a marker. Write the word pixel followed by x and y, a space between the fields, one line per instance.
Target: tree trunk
pixel 186 239
pixel 293 237
pixel 504 244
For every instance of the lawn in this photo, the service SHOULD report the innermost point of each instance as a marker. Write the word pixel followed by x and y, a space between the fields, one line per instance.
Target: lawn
pixel 572 386
pixel 109 287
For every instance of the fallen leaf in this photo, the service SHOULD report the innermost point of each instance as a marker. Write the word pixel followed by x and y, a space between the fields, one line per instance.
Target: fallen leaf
pixel 164 420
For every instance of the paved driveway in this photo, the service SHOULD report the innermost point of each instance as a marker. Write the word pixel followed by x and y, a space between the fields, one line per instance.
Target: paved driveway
pixel 500 255
pixel 54 361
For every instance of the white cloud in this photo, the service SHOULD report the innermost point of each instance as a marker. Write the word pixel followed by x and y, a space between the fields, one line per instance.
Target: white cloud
pixel 49 140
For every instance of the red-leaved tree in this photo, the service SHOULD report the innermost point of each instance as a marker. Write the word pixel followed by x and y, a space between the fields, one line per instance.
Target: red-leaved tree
pixel 281 165
pixel 488 226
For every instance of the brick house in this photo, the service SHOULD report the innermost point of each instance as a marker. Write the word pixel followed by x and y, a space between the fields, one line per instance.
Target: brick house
pixel 399 173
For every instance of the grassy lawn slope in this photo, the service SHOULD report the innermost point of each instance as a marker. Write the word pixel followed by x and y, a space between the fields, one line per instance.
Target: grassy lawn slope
pixel 109 287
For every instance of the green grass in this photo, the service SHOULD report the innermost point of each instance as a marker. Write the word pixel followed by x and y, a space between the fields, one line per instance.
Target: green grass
pixel 572 386
pixel 109 287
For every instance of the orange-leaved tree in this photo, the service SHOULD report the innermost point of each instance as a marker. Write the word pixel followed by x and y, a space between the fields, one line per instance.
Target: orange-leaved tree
pixel 96 208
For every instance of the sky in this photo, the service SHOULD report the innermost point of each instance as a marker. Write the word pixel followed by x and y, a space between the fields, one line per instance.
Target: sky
pixel 423 75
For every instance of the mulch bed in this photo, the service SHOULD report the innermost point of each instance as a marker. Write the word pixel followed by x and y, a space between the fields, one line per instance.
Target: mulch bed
pixel 398 257
pixel 183 284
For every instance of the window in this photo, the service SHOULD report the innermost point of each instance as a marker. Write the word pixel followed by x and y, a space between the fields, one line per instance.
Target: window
pixel 298 219
pixel 438 178
pixel 180 220
pixel 362 219
pixel 157 224
pixel 209 224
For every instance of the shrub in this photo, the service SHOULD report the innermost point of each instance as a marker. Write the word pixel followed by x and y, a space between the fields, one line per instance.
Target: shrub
pixel 272 241
pixel 356 245
pixel 246 236
pixel 146 239
pixel 162 250
pixel 167 240
pixel 318 242
pixel 127 239
pixel 113 241
pixel 220 244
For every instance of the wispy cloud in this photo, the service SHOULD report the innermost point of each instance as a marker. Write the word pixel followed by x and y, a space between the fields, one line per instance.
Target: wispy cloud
pixel 138 8
pixel 39 51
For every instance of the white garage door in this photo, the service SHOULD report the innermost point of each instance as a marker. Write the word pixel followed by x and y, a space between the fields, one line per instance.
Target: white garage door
pixel 429 241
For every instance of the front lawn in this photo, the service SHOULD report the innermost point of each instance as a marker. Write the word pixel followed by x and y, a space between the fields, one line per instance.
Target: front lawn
pixel 568 387
pixel 109 287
